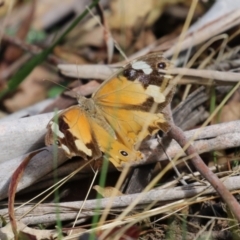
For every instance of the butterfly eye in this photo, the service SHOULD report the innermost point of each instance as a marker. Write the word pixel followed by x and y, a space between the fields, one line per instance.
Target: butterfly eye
pixel 125 154
pixel 161 65
pixel 57 143
pixel 130 73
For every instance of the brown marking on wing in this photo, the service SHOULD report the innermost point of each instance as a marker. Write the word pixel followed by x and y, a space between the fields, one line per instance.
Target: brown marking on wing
pixel 79 137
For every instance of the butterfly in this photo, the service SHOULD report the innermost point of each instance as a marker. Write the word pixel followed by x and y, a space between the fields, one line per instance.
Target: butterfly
pixel 123 111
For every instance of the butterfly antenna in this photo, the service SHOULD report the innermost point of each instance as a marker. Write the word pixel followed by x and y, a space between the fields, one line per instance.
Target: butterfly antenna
pixel 75 93
pixel 58 84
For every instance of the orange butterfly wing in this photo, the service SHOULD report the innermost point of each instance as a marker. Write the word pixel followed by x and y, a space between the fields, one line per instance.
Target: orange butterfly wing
pixel 132 101
pixel 73 133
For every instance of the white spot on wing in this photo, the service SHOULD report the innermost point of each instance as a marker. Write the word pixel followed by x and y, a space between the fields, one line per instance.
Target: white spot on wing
pixel 154 91
pixel 147 69
pixel 81 146
pixel 56 130
pixel 65 149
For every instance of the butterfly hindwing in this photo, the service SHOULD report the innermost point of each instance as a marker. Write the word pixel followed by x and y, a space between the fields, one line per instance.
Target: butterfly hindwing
pixel 114 150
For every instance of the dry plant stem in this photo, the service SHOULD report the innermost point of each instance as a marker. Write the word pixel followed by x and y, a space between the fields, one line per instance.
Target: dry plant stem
pixel 201 74
pixel 109 42
pixel 45 213
pixel 194 76
pixel 177 134
pixel 12 191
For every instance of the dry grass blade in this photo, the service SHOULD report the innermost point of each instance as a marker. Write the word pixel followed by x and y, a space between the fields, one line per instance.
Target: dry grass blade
pixel 70 209
pixel 12 190
pixel 208 77
pixel 211 24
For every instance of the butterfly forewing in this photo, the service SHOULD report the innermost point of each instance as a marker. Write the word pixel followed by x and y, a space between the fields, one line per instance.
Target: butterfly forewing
pixel 132 101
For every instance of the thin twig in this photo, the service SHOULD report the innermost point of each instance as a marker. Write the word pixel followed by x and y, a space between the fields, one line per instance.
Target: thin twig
pixel 189 75
pixel 195 75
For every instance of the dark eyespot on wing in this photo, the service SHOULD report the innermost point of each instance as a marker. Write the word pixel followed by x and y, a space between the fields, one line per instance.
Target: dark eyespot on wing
pixel 149 74
pixel 161 65
pixel 124 153
pixel 130 73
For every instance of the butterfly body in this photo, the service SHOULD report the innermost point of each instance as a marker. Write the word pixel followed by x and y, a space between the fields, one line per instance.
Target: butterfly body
pixel 121 113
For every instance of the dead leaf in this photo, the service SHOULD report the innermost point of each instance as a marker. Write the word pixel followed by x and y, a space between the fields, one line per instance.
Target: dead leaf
pixel 95 38
pixel 145 39
pixel 83 90
pixel 12 52
pixel 230 112
pixel 6 232
pixel 127 13
pixel 31 91
pixel 107 191
pixel 68 55
pixel 236 96
pixel 5 6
